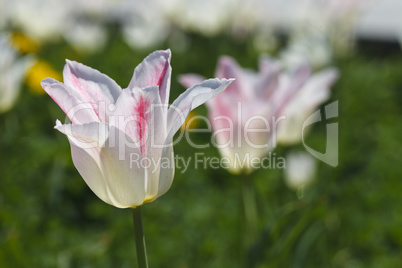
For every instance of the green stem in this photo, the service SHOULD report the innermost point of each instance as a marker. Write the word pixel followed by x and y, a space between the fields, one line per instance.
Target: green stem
pixel 139 238
pixel 250 214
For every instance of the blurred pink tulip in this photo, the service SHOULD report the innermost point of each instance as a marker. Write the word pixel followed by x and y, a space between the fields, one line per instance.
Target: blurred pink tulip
pixel 261 108
pixel 121 140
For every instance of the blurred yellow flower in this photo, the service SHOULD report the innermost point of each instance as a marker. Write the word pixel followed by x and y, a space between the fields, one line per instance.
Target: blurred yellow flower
pixel 23 43
pixel 39 71
pixel 191 121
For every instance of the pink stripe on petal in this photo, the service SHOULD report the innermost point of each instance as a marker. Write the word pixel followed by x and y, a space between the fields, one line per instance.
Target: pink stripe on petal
pixel 80 86
pixel 91 86
pixel 154 70
pixel 141 110
pixel 74 108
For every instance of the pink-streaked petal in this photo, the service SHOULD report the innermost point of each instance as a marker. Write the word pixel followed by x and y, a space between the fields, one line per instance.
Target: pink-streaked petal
pixel 298 77
pixel 228 68
pixel 77 111
pixel 268 78
pixel 133 111
pixel 154 70
pixel 145 123
pixel 222 111
pixel 266 85
pixel 289 85
pixel 191 99
pixel 268 65
pixel 155 142
pixel 317 89
pixel 139 113
pixel 91 86
pixel 124 176
pixel 303 104
pixel 190 80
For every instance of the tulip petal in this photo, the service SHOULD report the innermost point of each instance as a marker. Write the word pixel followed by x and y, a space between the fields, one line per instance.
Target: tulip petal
pixel 190 80
pixel 266 85
pixel 302 104
pixel 90 171
pixel 154 70
pixel 268 77
pixel 191 99
pixel 109 162
pixel 86 157
pixel 133 111
pixel 77 111
pixel 140 115
pixel 123 171
pixel 316 90
pixel 92 86
pixel 267 65
pixel 154 144
pixel 312 93
pixel 289 85
pixel 167 169
pixel 228 68
pixel 88 135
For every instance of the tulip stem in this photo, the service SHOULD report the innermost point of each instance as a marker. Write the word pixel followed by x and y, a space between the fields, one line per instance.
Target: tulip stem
pixel 250 214
pixel 139 238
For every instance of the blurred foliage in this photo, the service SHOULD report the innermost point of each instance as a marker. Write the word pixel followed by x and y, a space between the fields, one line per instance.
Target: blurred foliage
pixel 350 217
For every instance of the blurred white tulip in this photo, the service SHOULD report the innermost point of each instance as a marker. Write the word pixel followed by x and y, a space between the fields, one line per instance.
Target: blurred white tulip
pixel 300 169
pixel 86 36
pixel 310 46
pixel 144 24
pixel 12 71
pixel 207 17
pixel 43 20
